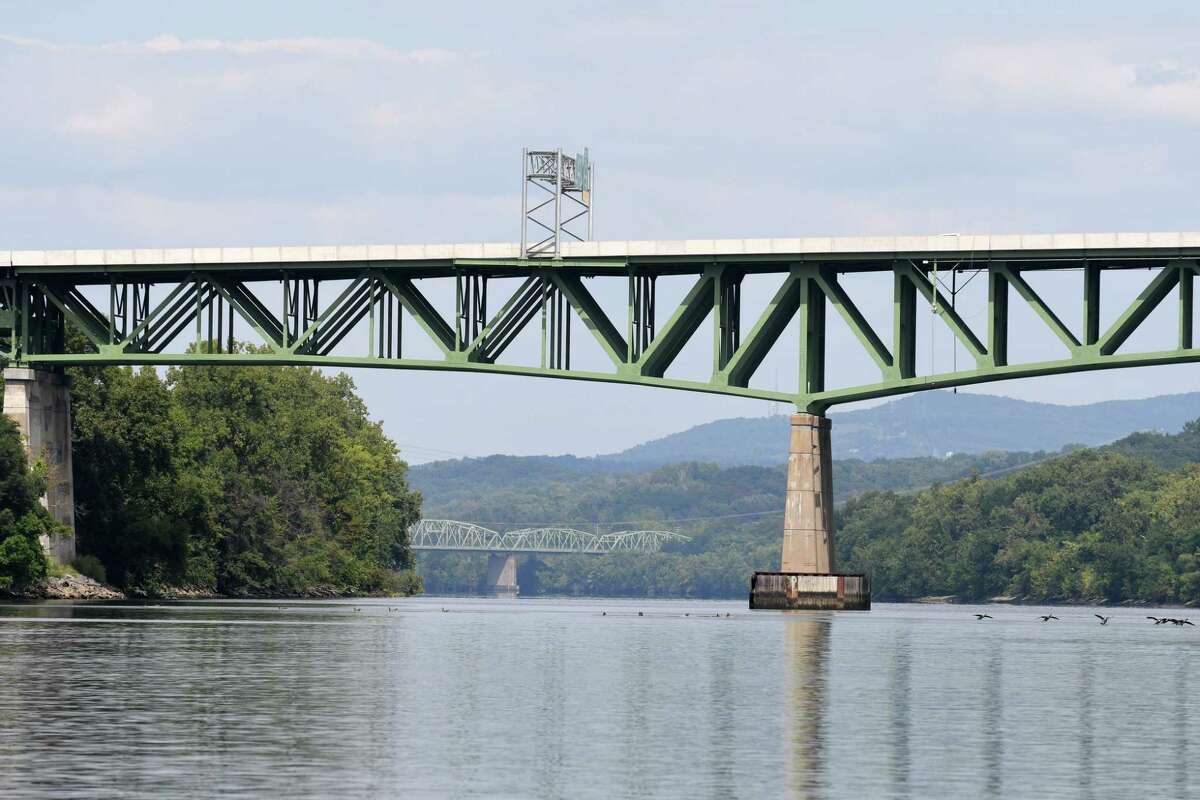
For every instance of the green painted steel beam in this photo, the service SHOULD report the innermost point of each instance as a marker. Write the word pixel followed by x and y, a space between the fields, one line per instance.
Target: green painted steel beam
pixel 1137 311
pixel 827 280
pixel 592 315
pixel 671 338
pixel 34 313
pixel 766 332
pixel 1039 306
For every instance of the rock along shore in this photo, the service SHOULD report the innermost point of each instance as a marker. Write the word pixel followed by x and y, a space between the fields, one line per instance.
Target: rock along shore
pixel 68 587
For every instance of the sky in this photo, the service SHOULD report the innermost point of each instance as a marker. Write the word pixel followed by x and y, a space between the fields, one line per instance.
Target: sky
pixel 145 124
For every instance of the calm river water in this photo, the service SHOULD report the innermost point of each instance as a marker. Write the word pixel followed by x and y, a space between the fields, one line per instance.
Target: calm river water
pixel 555 698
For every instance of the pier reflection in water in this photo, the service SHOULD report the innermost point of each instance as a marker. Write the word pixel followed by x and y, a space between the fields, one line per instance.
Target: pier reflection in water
pixel 535 698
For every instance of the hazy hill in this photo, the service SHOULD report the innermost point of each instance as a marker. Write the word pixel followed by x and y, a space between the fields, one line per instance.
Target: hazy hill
pixel 925 424
pixel 1109 522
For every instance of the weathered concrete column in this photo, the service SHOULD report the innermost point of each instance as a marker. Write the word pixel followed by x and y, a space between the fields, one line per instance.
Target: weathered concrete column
pixel 40 403
pixel 806 580
pixel 808 514
pixel 502 575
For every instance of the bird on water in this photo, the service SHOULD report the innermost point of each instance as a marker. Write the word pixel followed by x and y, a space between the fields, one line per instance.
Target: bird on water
pixel 1047 617
pixel 1159 620
pixel 983 616
pixel 1103 620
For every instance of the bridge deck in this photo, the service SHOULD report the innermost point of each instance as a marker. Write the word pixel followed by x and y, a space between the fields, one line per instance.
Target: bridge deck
pixel 870 249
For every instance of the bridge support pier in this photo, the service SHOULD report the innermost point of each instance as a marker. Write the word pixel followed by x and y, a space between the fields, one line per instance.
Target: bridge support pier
pixel 806 579
pixel 502 575
pixel 40 403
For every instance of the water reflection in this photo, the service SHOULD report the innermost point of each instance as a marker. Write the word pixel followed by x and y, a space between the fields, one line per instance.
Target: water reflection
pixel 993 721
pixel 1181 719
pixel 549 699
pixel 1086 735
pixel 721 713
pixel 808 654
pixel 899 691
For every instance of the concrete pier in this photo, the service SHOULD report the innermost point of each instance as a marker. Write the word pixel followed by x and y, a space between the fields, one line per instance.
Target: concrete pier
pixel 40 403
pixel 502 575
pixel 806 579
pixel 808 513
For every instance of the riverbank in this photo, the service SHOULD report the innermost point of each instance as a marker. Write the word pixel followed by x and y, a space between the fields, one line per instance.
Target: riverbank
pixel 80 587
pixel 66 587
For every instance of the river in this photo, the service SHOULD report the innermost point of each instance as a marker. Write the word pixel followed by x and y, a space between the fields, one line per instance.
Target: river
pixel 442 697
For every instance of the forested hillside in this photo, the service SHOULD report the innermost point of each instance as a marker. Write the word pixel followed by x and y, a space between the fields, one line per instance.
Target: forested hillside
pixel 241 481
pixel 462 487
pixel 1116 523
pixel 923 424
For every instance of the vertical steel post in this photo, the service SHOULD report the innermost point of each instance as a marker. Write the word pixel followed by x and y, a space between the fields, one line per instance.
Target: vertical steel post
pixel 1091 304
pixel 524 198
pixel 557 200
pixel 997 316
pixel 1185 305
pixel 904 323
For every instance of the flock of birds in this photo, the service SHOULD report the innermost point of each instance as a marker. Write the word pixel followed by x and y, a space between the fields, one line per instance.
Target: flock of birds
pixel 1044 618
pixel 1104 620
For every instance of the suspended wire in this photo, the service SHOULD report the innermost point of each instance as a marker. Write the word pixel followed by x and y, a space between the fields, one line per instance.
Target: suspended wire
pixel 610 524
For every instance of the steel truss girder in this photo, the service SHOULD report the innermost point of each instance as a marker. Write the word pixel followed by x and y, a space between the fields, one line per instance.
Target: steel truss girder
pixel 445 534
pixel 192 319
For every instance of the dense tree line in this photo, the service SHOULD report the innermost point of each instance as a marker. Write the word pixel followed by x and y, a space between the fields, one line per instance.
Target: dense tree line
pixel 462 482
pixel 23 520
pixel 238 480
pixel 1116 523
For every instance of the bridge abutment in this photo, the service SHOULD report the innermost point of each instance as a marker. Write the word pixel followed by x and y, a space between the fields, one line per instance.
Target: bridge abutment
pixel 502 575
pixel 40 403
pixel 806 579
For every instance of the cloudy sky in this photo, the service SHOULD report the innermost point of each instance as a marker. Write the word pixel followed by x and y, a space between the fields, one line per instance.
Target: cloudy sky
pixel 131 124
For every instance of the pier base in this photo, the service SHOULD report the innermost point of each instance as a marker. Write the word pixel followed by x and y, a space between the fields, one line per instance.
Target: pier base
pixel 502 575
pixel 791 591
pixel 40 403
pixel 806 579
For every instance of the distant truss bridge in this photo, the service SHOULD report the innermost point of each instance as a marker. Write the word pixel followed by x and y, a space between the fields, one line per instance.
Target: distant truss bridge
pixel 445 534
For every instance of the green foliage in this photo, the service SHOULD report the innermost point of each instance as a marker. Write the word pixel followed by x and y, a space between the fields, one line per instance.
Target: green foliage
pixel 1105 524
pixel 91 567
pixel 22 519
pixel 242 481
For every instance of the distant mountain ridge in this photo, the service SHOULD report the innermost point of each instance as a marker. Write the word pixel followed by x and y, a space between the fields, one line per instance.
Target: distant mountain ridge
pixel 925 424
pixel 921 426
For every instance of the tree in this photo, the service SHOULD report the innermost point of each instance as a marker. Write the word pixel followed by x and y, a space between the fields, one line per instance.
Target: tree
pixel 23 520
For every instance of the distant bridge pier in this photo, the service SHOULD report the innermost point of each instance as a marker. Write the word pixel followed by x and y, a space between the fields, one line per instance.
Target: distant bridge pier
pixel 502 575
pixel 39 402
pixel 806 579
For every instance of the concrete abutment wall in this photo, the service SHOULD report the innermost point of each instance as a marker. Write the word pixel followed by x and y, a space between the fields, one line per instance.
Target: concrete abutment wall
pixel 40 403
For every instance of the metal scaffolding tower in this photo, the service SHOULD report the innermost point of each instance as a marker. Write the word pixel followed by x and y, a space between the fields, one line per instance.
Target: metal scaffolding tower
pixel 555 178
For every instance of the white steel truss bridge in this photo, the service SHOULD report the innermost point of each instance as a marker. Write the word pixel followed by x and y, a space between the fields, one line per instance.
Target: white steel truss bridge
pixel 446 534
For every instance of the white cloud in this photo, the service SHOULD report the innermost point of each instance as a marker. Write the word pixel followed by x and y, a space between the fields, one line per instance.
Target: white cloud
pixel 314 46
pixel 126 115
pixel 1071 76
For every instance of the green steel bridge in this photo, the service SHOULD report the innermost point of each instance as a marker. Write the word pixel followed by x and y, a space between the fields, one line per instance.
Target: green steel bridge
pixel 487 309
pixel 346 306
